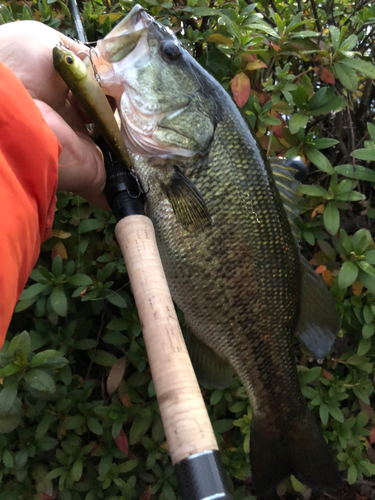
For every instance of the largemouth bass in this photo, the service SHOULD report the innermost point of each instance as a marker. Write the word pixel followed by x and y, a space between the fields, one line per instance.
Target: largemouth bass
pixel 227 246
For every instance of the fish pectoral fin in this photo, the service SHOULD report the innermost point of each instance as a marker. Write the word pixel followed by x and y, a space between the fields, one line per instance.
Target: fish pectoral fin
pixel 296 447
pixel 318 322
pixel 187 203
pixel 210 368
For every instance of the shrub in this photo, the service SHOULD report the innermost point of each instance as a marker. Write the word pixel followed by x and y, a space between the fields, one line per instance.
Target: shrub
pixel 78 414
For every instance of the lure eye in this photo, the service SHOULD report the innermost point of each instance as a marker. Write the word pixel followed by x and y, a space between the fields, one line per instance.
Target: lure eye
pixel 69 59
pixel 170 51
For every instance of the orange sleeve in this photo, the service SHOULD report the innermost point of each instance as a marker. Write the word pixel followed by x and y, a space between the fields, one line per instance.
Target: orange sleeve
pixel 29 154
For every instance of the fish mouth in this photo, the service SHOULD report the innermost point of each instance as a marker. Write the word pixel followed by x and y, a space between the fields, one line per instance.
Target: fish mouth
pixel 124 49
pixel 123 39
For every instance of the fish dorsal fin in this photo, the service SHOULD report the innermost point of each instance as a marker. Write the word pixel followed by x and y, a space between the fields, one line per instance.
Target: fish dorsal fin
pixel 318 322
pixel 287 186
pixel 186 201
pixel 210 368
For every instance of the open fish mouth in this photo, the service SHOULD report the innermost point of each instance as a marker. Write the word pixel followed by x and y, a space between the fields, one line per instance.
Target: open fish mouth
pixel 137 77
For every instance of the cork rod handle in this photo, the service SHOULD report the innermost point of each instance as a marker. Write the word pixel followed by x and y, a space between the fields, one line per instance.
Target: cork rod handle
pixel 186 422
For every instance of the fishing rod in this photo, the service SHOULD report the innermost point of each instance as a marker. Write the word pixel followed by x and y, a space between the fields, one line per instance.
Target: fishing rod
pixel 191 440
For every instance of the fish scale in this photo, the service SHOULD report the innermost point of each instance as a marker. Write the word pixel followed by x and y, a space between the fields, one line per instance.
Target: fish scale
pixel 226 243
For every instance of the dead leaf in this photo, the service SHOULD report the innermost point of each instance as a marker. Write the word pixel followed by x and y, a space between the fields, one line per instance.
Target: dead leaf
pixel 317 210
pixel 59 249
pixel 275 47
pixel 248 57
pixel 59 233
pixel 357 288
pixel 123 394
pixel 325 75
pixel 122 442
pixel 372 436
pixel 146 495
pixel 254 65
pixel 328 277
pixel 326 374
pixel 220 39
pixel 368 410
pixel 240 86
pixel 116 375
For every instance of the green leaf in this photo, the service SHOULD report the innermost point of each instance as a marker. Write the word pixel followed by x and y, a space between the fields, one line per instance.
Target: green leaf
pixel 223 425
pixel 368 331
pixel 324 143
pixel 8 397
pixel 331 218
pixel 313 190
pixel 72 423
pixel 59 302
pixel 335 35
pixel 20 342
pixel 323 412
pixel 336 413
pixel 319 160
pixel 104 358
pixel 48 359
pixel 297 121
pixel 352 474
pixel 117 300
pixel 57 266
pixel 90 225
pixel 366 279
pixel 40 380
pixel 76 471
pixel 363 347
pixel 347 76
pixel 363 67
pixel 80 280
pixel 366 154
pixel 371 130
pixel 346 242
pixel 366 267
pixel 370 256
pixel 359 172
pixel 348 274
pixel 216 397
pixel 8 459
pixel 361 241
pixel 94 425
pixel 139 428
pixel 33 290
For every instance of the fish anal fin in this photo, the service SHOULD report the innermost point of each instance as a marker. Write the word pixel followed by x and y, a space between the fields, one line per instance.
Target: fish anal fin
pixel 297 448
pixel 210 368
pixel 318 322
pixel 187 203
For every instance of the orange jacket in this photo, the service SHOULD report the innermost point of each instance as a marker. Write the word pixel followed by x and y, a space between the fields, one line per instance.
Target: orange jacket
pixel 29 154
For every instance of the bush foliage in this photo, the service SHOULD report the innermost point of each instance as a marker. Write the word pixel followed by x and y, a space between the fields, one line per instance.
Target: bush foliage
pixel 78 414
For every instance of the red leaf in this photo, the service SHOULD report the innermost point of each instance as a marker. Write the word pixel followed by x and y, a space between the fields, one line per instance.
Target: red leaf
pixel 122 442
pixel 325 75
pixel 241 89
pixel 320 269
pixel 326 374
pixel 372 435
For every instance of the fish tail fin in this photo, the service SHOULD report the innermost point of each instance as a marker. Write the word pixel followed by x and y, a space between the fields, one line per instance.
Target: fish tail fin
pixel 298 448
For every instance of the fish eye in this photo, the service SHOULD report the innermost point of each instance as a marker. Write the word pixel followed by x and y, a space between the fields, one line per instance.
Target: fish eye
pixel 69 59
pixel 170 51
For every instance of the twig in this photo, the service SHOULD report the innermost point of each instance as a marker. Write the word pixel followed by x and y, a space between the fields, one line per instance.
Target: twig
pixel 97 340
pixel 315 12
pixel 359 5
pixel 351 130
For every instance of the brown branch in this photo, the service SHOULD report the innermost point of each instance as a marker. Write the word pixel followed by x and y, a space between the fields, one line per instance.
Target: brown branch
pixel 315 12
pixel 351 130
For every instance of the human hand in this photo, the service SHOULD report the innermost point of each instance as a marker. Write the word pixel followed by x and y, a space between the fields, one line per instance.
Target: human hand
pixel 26 48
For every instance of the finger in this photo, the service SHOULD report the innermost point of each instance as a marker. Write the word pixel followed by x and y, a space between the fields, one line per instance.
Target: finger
pixel 81 168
